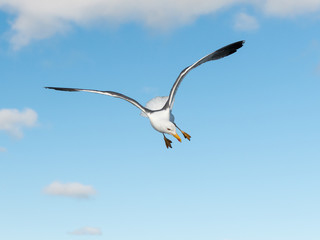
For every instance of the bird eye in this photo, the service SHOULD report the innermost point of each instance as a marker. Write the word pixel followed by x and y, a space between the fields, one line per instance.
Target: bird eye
pixel 168 129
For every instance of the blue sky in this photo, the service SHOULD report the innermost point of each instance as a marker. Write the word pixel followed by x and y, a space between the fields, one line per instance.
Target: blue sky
pixel 87 166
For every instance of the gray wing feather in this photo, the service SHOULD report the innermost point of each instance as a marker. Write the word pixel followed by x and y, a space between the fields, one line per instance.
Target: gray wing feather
pixel 220 53
pixel 109 93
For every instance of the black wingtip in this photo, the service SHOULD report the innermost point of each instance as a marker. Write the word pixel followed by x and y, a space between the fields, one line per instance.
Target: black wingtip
pixel 241 43
pixel 236 45
pixel 63 89
pixel 227 50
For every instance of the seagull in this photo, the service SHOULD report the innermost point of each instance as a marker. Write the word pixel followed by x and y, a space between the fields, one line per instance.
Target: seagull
pixel 159 109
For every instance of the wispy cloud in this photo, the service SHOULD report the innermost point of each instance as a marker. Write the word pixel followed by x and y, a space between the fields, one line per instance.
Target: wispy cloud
pixel 245 22
pixel 285 8
pixel 149 90
pixel 73 190
pixel 13 121
pixel 2 149
pixel 34 19
pixel 87 231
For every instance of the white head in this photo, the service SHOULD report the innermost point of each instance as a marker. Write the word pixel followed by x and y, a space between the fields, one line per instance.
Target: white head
pixel 170 128
pixel 160 122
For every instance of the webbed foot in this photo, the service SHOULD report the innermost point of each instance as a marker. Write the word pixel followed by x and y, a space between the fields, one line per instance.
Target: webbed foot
pixel 167 141
pixel 186 135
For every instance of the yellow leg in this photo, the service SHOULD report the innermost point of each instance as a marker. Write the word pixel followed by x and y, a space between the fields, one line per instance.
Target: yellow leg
pixel 186 135
pixel 167 141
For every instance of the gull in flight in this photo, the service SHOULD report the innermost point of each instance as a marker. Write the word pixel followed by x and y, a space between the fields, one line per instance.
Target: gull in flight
pixel 158 109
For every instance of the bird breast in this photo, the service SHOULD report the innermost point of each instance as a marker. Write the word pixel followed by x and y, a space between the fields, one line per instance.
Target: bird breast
pixel 159 119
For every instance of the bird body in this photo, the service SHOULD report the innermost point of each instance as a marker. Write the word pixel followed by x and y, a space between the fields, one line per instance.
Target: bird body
pixel 160 120
pixel 158 109
pixel 158 117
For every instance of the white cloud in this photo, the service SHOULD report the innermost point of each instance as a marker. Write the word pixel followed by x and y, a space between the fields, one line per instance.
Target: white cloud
pixel 290 8
pixel 74 190
pixel 39 19
pixel 13 121
pixel 87 231
pixel 2 149
pixel 245 22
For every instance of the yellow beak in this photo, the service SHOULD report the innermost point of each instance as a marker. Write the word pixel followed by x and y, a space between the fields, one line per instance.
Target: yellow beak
pixel 177 137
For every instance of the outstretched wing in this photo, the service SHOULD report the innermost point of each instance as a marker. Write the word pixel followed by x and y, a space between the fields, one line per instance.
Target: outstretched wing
pixel 109 93
pixel 220 53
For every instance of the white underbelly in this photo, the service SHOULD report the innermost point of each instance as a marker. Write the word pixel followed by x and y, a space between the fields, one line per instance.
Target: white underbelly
pixel 159 119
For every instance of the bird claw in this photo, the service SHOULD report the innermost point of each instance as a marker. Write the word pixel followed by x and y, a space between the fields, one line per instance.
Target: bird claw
pixel 168 142
pixel 186 135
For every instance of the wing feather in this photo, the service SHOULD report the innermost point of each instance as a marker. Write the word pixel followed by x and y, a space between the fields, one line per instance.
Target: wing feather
pixel 220 53
pixel 109 93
